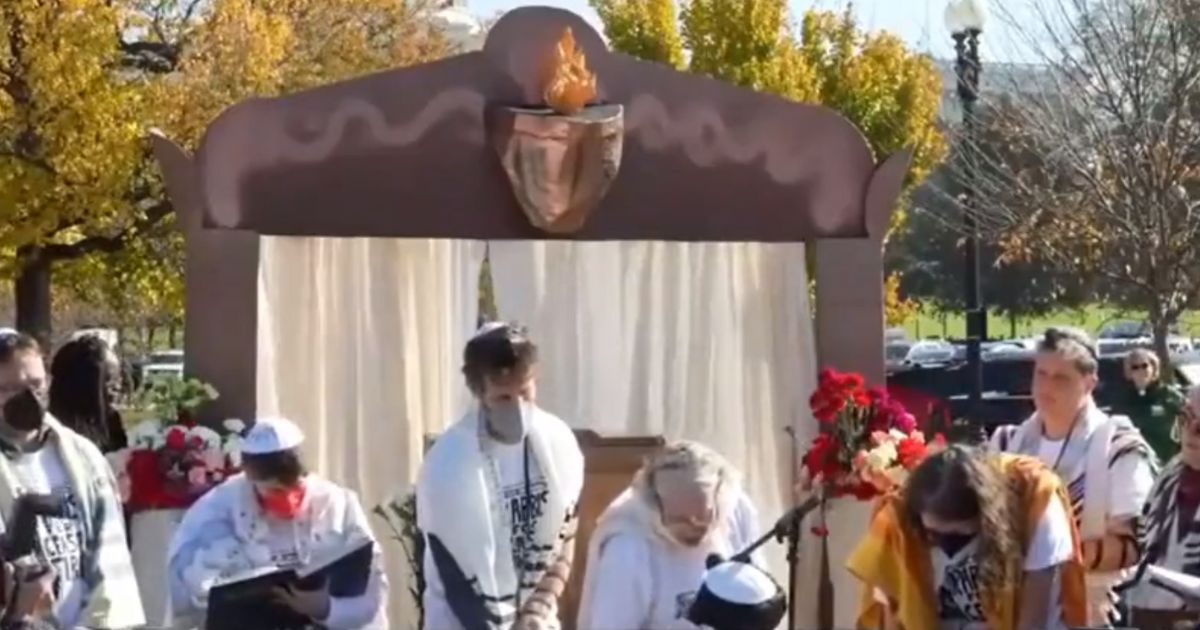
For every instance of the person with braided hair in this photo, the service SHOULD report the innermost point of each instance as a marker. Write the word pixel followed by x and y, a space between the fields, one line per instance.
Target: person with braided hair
pixel 1106 464
pixel 85 378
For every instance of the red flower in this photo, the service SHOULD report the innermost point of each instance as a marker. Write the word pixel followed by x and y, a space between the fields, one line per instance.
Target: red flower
pixel 821 457
pixel 910 451
pixel 195 442
pixel 176 438
pixel 852 380
pixel 820 530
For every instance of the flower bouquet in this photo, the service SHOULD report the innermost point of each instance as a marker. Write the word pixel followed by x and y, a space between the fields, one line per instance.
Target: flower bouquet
pixel 868 441
pixel 172 461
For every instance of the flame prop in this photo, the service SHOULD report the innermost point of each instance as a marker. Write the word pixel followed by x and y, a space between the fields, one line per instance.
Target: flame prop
pixel 571 84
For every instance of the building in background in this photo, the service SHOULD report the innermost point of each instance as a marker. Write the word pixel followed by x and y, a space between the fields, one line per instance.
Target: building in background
pixel 463 28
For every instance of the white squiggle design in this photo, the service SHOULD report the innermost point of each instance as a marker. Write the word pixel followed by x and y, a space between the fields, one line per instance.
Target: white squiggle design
pixel 707 140
pixel 220 173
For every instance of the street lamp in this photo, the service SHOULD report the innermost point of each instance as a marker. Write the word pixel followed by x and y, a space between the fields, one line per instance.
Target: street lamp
pixel 964 19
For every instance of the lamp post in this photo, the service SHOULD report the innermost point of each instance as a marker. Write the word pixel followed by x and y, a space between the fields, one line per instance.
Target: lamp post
pixel 964 19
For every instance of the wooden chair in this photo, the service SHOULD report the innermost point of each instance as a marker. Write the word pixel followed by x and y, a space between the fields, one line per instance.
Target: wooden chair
pixel 609 466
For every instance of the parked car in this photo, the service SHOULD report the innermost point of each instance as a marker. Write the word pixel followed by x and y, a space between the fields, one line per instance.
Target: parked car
pixel 1007 379
pixel 899 354
pixel 162 364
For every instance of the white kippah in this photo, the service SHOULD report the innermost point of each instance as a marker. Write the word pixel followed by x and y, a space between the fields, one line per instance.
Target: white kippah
pixel 740 583
pixel 272 435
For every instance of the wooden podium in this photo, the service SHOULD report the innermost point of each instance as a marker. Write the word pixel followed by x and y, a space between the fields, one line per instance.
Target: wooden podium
pixel 609 466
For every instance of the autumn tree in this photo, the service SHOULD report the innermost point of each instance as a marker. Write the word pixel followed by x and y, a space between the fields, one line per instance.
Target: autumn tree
pixel 1107 183
pixel 887 90
pixel 82 81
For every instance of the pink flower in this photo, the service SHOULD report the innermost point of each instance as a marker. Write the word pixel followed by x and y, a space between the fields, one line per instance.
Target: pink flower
pixel 197 476
pixel 906 422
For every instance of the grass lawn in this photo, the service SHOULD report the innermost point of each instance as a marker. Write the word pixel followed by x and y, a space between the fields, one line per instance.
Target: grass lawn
pixel 999 327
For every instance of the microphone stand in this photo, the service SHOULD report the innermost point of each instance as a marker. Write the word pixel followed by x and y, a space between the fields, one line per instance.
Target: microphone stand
pixel 787 528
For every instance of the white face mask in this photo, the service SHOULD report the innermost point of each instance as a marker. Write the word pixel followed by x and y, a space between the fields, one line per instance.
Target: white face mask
pixel 508 423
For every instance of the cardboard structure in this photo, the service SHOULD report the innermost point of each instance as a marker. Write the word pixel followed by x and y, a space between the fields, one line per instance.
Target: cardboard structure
pixel 413 152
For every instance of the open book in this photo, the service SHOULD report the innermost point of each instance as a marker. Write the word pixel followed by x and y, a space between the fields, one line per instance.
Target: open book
pixel 245 601
pixel 1185 586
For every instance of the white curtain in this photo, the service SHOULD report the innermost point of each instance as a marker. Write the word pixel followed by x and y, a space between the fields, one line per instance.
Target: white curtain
pixel 359 342
pixel 710 342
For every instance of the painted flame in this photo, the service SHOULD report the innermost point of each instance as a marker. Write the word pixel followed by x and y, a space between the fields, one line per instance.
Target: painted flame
pixel 571 85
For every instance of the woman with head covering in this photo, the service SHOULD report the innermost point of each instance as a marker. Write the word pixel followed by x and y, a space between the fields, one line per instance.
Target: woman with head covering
pixel 277 515
pixel 1170 526
pixel 974 540
pixel 85 376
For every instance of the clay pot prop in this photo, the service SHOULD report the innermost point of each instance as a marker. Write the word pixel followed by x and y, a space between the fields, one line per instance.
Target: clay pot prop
pixel 560 166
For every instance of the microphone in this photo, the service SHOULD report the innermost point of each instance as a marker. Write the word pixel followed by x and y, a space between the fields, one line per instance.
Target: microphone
pixel 791 519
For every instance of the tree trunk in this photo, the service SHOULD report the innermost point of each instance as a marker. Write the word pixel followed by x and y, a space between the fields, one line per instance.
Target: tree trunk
pixel 1160 326
pixel 1012 325
pixel 172 335
pixel 32 292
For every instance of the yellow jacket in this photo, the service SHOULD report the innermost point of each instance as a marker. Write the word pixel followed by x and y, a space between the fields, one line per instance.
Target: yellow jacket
pixel 895 560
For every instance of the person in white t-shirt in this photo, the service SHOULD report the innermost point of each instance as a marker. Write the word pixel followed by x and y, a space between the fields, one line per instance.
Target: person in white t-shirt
pixel 1107 466
pixel 974 541
pixel 82 539
pixel 497 497
pixel 646 557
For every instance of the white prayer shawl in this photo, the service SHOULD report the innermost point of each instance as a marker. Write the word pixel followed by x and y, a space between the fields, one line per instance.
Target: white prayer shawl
pixel 113 599
pixel 1158 533
pixel 458 503
pixel 224 533
pixel 631 514
pixel 1107 439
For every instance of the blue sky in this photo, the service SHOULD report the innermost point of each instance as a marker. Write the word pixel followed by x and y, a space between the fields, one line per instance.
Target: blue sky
pixel 919 22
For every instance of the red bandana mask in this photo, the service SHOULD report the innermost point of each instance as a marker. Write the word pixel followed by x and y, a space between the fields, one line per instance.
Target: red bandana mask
pixel 282 503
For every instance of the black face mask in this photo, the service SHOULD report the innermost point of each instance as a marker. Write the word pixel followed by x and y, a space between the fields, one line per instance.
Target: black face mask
pixel 951 544
pixel 25 411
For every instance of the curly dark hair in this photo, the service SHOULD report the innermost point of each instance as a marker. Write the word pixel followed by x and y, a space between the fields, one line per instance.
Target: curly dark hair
pixel 82 384
pixel 962 483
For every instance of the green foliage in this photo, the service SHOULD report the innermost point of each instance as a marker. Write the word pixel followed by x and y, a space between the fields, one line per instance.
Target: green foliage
pixel 168 398
pixel 890 92
pixel 400 515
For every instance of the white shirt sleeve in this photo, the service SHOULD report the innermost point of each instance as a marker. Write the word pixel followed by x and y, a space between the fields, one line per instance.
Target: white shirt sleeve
pixel 745 519
pixel 438 615
pixel 621 588
pixel 346 613
pixel 1051 544
pixel 1130 481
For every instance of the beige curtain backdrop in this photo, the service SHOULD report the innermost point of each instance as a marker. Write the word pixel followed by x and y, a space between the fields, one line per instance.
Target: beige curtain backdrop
pixel 359 342
pixel 706 341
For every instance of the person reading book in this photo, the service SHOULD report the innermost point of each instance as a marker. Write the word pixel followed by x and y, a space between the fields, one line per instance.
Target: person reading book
pixel 276 519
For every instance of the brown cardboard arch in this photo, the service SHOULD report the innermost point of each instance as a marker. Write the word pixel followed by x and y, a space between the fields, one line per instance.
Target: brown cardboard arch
pixel 405 153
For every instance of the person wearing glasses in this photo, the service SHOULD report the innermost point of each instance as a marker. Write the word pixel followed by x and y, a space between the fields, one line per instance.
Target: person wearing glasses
pixel 1104 461
pixel 647 556
pixel 1150 403
pixel 1169 529
pixel 82 540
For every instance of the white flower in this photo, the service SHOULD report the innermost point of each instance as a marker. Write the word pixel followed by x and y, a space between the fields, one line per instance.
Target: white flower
pixel 210 438
pixel 233 425
pixel 882 456
pixel 147 435
pixel 233 450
